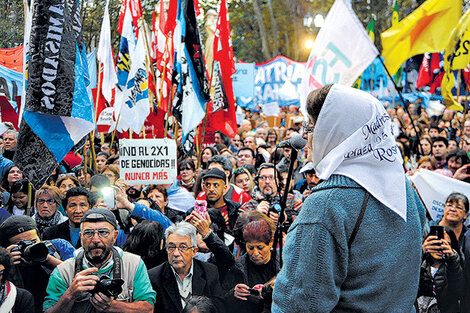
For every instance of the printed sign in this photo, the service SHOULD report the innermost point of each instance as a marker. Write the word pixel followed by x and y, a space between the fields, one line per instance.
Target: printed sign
pixel 147 161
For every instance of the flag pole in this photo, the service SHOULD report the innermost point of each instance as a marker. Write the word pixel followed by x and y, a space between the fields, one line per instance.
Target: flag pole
pixel 418 133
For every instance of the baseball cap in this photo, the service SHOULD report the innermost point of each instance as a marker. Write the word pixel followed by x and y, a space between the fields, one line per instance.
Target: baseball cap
pixel 215 173
pixel 15 225
pixel 100 215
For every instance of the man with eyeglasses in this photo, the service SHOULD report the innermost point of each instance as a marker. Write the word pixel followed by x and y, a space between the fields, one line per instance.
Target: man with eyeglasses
pixel 72 284
pixel 267 199
pixel 184 277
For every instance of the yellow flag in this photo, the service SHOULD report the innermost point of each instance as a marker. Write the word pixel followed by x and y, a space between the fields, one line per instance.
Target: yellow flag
pixel 426 29
pixel 456 57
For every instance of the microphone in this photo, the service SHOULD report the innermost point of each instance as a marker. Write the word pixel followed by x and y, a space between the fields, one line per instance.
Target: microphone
pixel 295 142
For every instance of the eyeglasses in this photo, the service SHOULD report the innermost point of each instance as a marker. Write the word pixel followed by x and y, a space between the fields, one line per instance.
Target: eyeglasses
pixel 307 127
pixel 450 205
pixel 266 177
pixel 182 248
pixel 48 201
pixel 90 233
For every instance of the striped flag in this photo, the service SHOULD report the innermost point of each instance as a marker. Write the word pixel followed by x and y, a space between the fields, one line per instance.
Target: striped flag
pixel 58 112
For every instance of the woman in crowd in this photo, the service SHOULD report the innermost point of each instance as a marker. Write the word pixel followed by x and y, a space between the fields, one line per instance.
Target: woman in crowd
pixel 111 171
pixel 158 194
pixel 47 202
pixel 147 240
pixel 243 179
pixel 187 171
pixel 80 174
pixel 12 174
pixel 20 194
pixel 101 158
pixel 207 153
pixel 66 182
pixel 254 292
pixel 441 278
pixel 426 145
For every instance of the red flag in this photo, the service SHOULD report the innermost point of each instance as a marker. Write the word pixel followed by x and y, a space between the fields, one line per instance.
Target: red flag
pixel 223 109
pixel 466 76
pixel 165 54
pixel 425 73
pixel 171 18
pixel 437 82
pixel 153 54
pixel 122 12
pixel 435 63
pixel 136 12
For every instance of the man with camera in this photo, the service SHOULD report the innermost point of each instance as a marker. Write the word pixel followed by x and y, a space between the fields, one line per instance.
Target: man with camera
pixel 268 199
pixel 100 277
pixel 32 259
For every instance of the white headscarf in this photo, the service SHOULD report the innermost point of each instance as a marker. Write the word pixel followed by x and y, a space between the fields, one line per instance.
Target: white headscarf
pixel 353 137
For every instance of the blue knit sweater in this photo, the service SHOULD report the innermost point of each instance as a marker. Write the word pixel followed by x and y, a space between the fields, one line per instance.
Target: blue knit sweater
pixel 380 273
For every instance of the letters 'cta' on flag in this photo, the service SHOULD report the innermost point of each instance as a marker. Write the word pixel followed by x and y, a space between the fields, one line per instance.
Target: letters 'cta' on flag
pixel 341 52
pixel 193 87
pixel 58 112
pixel 434 189
pixel 426 29
pixel 223 117
pixel 455 58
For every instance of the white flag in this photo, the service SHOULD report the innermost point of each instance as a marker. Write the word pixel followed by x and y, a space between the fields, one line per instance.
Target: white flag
pixel 434 189
pixel 105 56
pixel 135 101
pixel 342 51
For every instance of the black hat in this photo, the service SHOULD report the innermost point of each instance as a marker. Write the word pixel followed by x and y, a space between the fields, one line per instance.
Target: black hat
pixel 100 215
pixel 215 173
pixel 15 225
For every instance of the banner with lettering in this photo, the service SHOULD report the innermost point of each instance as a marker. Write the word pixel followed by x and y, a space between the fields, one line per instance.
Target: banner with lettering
pixel 434 189
pixel 278 81
pixel 342 50
pixel 147 161
pixel 11 84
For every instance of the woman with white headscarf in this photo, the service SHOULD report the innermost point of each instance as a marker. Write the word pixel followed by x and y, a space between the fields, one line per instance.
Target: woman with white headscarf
pixel 356 244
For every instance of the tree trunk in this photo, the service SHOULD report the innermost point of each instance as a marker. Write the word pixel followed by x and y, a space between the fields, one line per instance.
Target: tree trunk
pixel 275 29
pixel 262 30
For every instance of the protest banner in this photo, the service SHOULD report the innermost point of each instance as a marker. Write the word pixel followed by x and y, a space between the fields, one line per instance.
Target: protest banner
pixel 11 84
pixel 434 189
pixel 147 161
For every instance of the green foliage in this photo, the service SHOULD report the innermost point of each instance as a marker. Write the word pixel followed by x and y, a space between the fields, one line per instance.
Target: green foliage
pixel 11 23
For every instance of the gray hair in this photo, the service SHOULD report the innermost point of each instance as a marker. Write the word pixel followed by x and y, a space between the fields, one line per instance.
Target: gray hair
pixel 183 229
pixel 11 131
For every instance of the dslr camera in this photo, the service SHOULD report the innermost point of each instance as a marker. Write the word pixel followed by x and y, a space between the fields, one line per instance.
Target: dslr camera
pixel 109 287
pixel 31 251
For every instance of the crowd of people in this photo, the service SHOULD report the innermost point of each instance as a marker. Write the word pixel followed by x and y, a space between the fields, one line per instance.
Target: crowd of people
pixel 64 248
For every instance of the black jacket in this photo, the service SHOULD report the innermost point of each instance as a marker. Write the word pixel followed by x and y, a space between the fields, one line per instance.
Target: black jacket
pixel 205 283
pixel 62 231
pixel 447 283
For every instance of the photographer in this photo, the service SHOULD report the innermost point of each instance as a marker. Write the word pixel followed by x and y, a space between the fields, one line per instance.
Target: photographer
pixel 100 277
pixel 268 200
pixel 32 259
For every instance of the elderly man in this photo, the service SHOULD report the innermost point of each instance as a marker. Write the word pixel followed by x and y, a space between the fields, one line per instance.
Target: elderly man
pixel 356 244
pixel 182 277
pixel 77 284
pixel 10 142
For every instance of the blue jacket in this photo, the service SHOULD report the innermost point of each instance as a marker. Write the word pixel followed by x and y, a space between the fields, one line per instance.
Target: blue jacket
pixel 380 273
pixel 141 211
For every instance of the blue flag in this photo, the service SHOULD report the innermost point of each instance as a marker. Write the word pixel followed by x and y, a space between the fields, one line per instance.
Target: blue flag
pixel 58 112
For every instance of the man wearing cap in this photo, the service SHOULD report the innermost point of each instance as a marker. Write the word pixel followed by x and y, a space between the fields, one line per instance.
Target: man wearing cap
pixel 356 244
pixel 31 270
pixel 311 180
pixel 213 185
pixel 71 285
